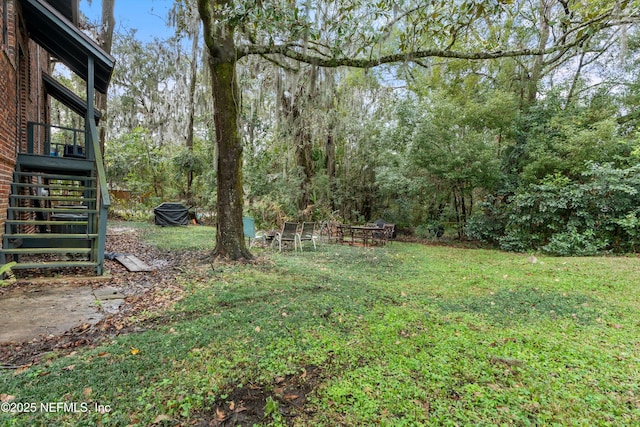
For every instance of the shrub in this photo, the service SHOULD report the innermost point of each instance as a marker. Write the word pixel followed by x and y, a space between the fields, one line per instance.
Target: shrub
pixel 564 217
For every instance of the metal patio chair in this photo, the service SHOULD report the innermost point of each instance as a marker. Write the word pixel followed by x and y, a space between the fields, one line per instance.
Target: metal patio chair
pixel 308 233
pixel 289 233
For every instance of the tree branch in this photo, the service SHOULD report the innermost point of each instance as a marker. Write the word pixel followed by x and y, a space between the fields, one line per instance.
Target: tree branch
pixel 333 62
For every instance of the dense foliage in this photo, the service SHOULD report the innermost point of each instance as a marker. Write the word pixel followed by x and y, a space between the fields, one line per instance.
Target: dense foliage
pixel 528 152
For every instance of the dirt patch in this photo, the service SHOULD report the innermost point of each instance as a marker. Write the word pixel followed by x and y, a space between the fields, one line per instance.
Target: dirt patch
pixel 253 404
pixel 150 291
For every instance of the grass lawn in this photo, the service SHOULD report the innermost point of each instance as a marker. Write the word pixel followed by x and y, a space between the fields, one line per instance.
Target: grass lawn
pixel 402 335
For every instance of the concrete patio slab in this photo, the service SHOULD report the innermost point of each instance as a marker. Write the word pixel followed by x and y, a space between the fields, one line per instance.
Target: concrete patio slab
pixel 31 311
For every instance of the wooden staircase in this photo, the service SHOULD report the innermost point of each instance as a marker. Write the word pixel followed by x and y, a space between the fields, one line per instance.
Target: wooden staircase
pixel 52 218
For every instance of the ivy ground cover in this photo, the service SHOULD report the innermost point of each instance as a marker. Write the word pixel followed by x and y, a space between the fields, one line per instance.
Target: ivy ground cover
pixel 408 334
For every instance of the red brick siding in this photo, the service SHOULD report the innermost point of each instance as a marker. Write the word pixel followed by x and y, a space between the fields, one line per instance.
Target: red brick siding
pixel 8 110
pixel 21 97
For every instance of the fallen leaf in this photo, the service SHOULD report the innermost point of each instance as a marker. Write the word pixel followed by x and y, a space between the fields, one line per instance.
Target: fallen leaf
pixel 69 368
pixel 232 405
pixel 135 351
pixel 21 369
pixel 86 392
pixel 6 397
pixel 257 329
pixel 161 418
pixel 220 414
pixel 103 354
pixel 290 396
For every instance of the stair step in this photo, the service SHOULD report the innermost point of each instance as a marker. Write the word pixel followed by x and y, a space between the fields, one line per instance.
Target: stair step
pixel 53 210
pixel 53 186
pixel 40 251
pixel 54 264
pixel 54 176
pixel 54 198
pixel 51 235
pixel 37 163
pixel 43 222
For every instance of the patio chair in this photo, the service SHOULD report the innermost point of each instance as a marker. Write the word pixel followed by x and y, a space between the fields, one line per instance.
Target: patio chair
pixel 389 231
pixel 328 232
pixel 377 236
pixel 308 233
pixel 343 230
pixel 249 230
pixel 289 233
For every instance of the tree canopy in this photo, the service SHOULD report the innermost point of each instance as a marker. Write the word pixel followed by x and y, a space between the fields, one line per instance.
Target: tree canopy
pixel 432 113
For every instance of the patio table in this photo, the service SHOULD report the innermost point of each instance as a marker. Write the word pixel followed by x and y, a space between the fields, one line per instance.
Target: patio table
pixel 364 233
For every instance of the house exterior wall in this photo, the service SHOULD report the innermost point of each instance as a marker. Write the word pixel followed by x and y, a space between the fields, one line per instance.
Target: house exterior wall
pixel 22 98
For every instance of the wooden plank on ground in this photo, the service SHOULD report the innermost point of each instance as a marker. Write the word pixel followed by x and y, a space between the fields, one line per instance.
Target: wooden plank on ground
pixel 133 263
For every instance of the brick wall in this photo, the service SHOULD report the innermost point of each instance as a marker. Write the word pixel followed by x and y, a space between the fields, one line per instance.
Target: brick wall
pixel 21 95
pixel 8 105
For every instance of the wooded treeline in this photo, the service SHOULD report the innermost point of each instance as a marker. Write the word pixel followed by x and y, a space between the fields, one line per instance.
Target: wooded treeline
pixel 524 151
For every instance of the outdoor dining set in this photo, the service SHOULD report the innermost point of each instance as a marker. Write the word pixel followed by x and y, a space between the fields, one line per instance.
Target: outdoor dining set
pixel 326 232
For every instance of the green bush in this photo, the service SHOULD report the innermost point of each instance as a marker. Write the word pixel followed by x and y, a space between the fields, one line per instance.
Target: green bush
pixel 572 242
pixel 565 217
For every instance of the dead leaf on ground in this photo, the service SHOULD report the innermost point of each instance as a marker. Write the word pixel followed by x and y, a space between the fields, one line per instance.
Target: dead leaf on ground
pixel 160 418
pixel 220 414
pixel 21 369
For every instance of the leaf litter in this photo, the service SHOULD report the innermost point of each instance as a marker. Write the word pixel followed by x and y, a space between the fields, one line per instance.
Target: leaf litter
pixel 148 292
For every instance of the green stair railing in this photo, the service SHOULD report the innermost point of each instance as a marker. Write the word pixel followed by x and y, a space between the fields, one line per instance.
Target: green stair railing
pixel 102 195
pixel 57 141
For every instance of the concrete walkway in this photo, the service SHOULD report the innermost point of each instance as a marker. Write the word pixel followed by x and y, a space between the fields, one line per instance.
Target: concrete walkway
pixel 52 309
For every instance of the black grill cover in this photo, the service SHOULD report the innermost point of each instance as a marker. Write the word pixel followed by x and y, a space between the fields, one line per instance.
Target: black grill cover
pixel 171 214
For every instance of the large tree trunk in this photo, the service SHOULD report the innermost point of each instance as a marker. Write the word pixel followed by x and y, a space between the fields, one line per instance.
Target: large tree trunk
pixel 230 241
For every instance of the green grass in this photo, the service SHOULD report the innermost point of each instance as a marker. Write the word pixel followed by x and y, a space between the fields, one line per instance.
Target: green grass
pixel 401 335
pixel 191 237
